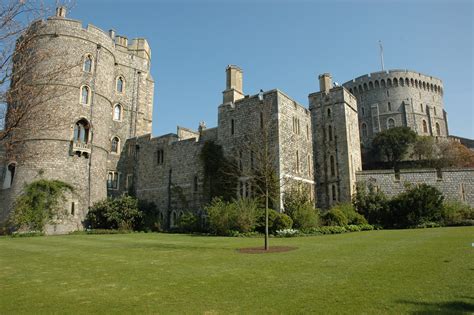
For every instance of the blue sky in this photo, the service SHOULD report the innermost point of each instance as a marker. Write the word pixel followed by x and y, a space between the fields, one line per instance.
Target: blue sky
pixel 286 44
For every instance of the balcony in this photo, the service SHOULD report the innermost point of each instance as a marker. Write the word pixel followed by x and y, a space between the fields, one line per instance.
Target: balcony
pixel 80 148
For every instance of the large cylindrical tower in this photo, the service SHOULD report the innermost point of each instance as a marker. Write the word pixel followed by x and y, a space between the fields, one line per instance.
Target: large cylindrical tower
pixel 98 92
pixel 399 98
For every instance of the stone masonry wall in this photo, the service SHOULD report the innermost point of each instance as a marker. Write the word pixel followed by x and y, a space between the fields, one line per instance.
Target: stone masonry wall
pixel 455 184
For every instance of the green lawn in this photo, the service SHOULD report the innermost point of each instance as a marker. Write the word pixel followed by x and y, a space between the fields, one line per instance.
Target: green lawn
pixel 401 271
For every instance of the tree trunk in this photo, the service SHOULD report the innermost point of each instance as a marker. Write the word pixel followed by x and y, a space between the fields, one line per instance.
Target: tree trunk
pixel 266 218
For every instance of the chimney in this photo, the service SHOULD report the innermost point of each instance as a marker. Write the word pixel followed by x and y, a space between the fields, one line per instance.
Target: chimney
pixel 233 88
pixel 112 34
pixel 61 11
pixel 325 82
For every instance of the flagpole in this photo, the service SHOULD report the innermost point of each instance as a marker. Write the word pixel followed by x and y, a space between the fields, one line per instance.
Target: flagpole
pixel 381 55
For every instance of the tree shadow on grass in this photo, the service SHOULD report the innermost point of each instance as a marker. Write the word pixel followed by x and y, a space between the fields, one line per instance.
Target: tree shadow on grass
pixel 451 307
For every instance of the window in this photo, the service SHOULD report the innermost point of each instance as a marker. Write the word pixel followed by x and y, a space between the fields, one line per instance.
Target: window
pixel 241 167
pixel 115 145
pixel 261 120
pixel 364 129
pixel 421 107
pixel 9 175
pixel 329 113
pixel 129 182
pixel 309 165
pixel 434 110
pixel 330 132
pixel 120 84
pixel 363 110
pixel 81 131
pixel 296 125
pixel 159 157
pixel 252 162
pixel 112 180
pixel 438 131
pixel 307 132
pixel 333 192
pixel 85 95
pixel 297 161
pixel 389 107
pixel 117 112
pixel 137 151
pixel 87 67
pixel 73 208
pixel 425 126
pixel 390 123
pixel 195 184
pixel 232 127
pixel 333 165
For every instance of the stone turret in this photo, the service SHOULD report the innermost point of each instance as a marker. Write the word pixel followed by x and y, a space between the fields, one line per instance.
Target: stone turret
pixel 234 90
pixel 325 82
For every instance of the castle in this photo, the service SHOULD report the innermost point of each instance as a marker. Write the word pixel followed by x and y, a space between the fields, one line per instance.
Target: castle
pixel 103 145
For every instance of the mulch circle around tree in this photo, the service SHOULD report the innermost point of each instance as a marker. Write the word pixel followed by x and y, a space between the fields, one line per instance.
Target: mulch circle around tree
pixel 261 250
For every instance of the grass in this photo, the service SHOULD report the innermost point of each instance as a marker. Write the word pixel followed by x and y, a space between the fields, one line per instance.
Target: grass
pixel 400 271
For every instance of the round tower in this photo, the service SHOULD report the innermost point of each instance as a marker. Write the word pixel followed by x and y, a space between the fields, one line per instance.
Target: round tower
pixel 96 93
pixel 399 98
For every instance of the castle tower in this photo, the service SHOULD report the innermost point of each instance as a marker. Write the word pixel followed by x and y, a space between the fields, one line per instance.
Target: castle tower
pixel 75 130
pixel 233 90
pixel 336 143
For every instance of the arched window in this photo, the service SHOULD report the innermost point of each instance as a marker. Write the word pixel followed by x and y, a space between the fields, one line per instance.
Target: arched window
pixel 377 85
pixel 416 83
pixel 9 176
pixel 120 84
pixel 332 166
pixel 330 133
pixel 329 113
pixel 365 87
pixel 438 131
pixel 115 145
pixel 395 82
pixel 364 129
pixel 334 193
pixel 371 85
pixel 412 82
pixel 85 95
pixel 389 107
pixel 389 83
pixel 382 83
pixel 363 110
pixel 390 123
pixel 360 89
pixel 407 82
pixel 87 66
pixel 81 131
pixel 424 86
pixel 402 83
pixel 118 112
pixel 425 126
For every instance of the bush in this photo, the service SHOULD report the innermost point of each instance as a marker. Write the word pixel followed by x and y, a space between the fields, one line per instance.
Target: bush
pixel 276 221
pixel 39 204
pixel 457 213
pixel 417 205
pixel 300 208
pixel 372 204
pixel 353 217
pixel 224 217
pixel 426 225
pixel 188 223
pixel 119 213
pixel 366 227
pixel 335 217
pixel 353 228
pixel 150 217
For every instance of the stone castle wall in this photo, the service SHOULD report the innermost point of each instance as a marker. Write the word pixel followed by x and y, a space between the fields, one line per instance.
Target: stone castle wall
pixel 455 184
pixel 44 147
pixel 403 97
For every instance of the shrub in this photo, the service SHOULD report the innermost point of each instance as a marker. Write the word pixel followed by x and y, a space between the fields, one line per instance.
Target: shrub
pixel 276 221
pixel 224 217
pixel 39 204
pixel 457 213
pixel 119 213
pixel 353 217
pixel 417 205
pixel 300 208
pixel 353 228
pixel 150 216
pixel 425 225
pixel 372 204
pixel 366 227
pixel 335 217
pixel 188 223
